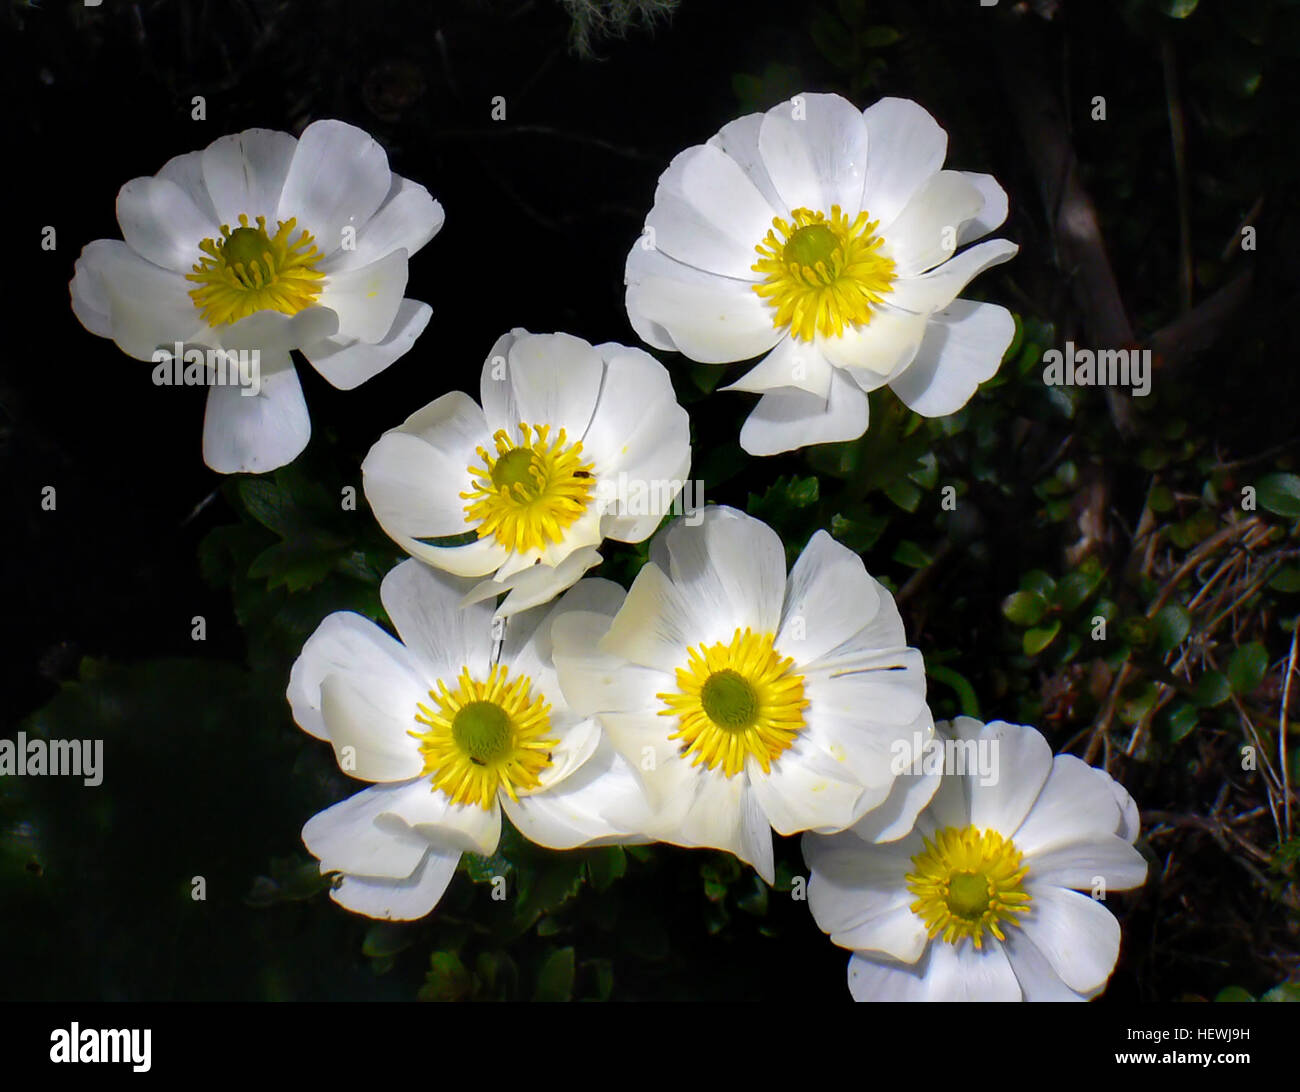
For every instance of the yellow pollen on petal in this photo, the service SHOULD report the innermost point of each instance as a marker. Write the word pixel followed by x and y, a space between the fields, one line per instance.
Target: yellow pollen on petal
pixel 249 270
pixel 528 494
pixel 968 882
pixel 484 736
pixel 822 273
pixel 735 700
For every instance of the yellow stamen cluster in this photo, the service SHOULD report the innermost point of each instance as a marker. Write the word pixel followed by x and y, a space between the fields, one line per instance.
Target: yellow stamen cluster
pixel 735 700
pixel 529 493
pixel 484 737
pixel 822 274
pixel 968 882
pixel 248 270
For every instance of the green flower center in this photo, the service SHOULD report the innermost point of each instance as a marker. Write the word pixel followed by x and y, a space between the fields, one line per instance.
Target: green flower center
pixel 968 895
pixel 482 730
pixel 517 467
pixel 729 700
pixel 810 245
pixel 249 247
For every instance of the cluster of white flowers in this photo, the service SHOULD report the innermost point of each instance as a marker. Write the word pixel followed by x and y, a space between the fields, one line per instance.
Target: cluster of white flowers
pixel 720 697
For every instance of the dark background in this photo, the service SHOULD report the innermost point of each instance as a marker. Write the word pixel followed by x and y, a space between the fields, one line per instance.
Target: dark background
pixel 541 210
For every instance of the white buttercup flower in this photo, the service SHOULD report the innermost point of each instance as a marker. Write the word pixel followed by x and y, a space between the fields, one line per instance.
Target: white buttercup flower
pixel 750 700
pixel 572 444
pixel 451 736
pixel 981 902
pixel 826 238
pixel 266 242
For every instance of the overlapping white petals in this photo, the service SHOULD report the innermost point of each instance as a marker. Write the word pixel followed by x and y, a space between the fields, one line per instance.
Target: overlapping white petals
pixel 1073 826
pixel 335 182
pixel 397 843
pixel 702 586
pixel 617 402
pixel 690 277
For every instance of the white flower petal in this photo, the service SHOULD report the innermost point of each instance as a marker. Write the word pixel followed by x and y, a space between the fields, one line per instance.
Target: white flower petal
pixel 186 170
pixel 366 299
pixel 739 139
pixel 257 433
pixel 933 291
pixel 924 234
pixel 596 681
pixel 1038 982
pixel 425 607
pixel 1072 805
pixel 399 900
pixel 905 147
pixel 730 569
pixel 655 624
pixel 535 586
pixel 1022 764
pixel 708 214
pixel 993 212
pixel 90 300
pixel 786 420
pixel 963 346
pixel 637 428
pixel 793 365
pixel 874 352
pixel 161 223
pixel 805 790
pixel 1078 937
pixel 601 803
pixel 815 150
pixel 858 894
pixel 370 730
pixel 413 475
pixel 339 177
pixel 828 598
pixel 1105 857
pixel 346 838
pixel 897 815
pixel 146 306
pixel 944 973
pixel 347 363
pixel 245 172
pixel 419 810
pixel 550 379
pixel 343 643
pixel 407 220
pixel 709 318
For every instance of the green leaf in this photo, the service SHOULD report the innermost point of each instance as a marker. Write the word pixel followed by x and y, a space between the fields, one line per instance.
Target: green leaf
pixel 1038 581
pixel 448 979
pixel 1246 667
pixel 1280 494
pixel 1182 722
pixel 1172 624
pixel 1077 588
pixel 1211 689
pixel 605 865
pixel 876 37
pixel 904 493
pixel 1233 993
pixel 1286 580
pixel 1161 499
pixel 910 554
pixel 555 977
pixel 1035 640
pixel 383 938
pixel 1287 991
pixel 1024 608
